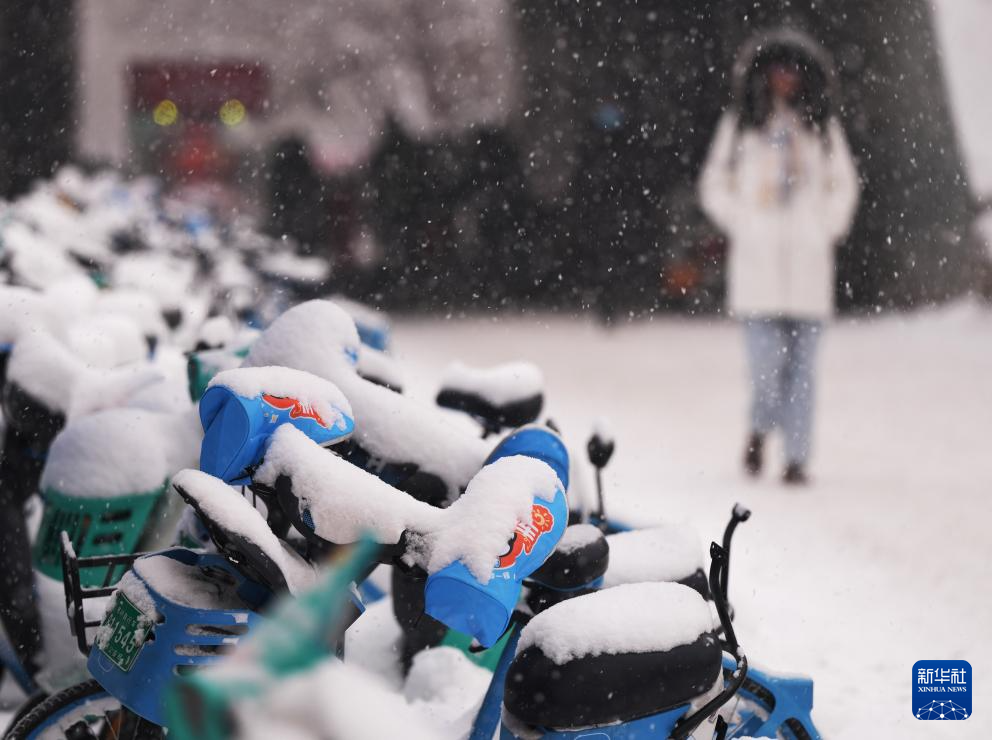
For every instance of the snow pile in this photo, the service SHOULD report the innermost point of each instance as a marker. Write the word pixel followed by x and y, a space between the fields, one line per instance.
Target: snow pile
pixel 344 501
pixel 378 366
pixel 34 259
pixel 374 642
pixel 45 369
pixel 447 687
pixel 217 331
pixel 577 536
pixel 334 700
pixel 48 371
pixel 227 509
pixel 62 223
pixel 443 684
pixel 189 585
pixel 168 394
pixel 181 435
pixel 103 389
pixel 107 340
pixel 666 552
pixel 397 428
pixel 475 528
pixel 315 336
pixel 141 307
pixel 70 299
pixel 319 337
pixel 499 385
pixel 21 310
pixel 314 392
pixel 633 618
pixel 167 278
pixel 118 452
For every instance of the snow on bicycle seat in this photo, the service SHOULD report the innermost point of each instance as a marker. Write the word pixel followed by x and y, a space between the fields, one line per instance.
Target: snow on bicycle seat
pixel 393 432
pixel 46 384
pixel 316 336
pixel 508 395
pixel 666 552
pixel 242 534
pixel 613 656
pixel 242 407
pixel 327 497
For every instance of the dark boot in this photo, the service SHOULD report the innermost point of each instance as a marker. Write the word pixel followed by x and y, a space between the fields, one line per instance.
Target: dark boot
pixel 753 454
pixel 795 475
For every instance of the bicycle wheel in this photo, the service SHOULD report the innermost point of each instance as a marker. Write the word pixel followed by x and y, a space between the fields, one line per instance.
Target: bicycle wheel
pixel 30 703
pixel 83 712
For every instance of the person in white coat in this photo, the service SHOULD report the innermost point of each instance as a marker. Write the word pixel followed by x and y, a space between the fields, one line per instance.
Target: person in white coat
pixel 780 182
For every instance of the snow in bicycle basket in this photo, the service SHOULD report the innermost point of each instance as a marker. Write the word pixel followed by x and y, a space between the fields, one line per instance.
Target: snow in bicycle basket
pixel 103 479
pixel 242 407
pixel 174 612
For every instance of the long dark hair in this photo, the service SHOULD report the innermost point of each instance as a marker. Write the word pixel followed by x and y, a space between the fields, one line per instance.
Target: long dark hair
pixel 813 101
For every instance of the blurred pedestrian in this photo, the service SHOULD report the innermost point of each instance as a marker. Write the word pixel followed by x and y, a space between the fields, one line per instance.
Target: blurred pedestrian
pixel 780 182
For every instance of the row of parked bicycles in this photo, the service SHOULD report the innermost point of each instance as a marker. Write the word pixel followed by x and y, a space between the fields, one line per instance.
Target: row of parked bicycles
pixel 219 514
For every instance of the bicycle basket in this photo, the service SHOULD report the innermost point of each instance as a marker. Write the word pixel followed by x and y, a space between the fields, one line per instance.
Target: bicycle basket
pixel 149 635
pixel 95 526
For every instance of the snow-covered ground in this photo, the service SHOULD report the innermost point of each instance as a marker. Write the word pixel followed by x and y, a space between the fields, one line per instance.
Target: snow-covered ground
pixel 882 561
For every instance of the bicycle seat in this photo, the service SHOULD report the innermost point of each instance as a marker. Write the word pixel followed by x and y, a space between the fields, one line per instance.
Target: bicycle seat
pixel 574 568
pixel 242 407
pixel 508 395
pixel 241 533
pixel 613 656
pixel 664 553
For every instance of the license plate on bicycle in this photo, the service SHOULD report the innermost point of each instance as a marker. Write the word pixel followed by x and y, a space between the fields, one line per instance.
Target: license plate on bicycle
pixel 128 629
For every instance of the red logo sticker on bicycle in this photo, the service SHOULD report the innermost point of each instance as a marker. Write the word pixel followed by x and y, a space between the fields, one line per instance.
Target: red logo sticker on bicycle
pixel 297 410
pixel 527 534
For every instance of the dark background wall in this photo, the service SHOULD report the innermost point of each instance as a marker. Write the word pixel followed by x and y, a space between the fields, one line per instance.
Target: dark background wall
pixel 37 85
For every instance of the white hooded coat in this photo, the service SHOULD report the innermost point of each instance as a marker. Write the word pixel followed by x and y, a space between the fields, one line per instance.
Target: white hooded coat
pixel 781 257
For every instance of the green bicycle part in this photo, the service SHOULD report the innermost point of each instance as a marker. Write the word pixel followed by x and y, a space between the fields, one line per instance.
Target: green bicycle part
pixel 487 658
pixel 96 526
pixel 202 366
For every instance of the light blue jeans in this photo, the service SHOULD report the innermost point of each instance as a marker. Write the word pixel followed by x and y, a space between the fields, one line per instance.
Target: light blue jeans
pixel 781 354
